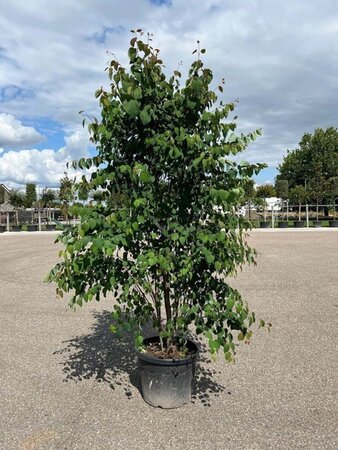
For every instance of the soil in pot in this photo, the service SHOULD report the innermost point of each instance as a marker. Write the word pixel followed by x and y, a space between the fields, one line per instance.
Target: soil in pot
pixel 166 381
pixel 283 224
pixel 299 224
pixel 16 228
pixel 334 223
pixel 50 227
pixel 264 224
pixel 32 227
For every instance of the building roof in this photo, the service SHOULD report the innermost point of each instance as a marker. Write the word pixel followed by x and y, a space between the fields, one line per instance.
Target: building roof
pixel 3 186
pixel 6 207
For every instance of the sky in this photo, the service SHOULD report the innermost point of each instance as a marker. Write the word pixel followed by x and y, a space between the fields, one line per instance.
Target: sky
pixel 279 59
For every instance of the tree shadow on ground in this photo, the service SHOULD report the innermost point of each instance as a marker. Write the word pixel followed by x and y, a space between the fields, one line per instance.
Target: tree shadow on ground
pixel 111 359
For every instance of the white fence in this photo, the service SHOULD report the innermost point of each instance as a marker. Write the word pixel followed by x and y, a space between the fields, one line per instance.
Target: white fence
pixel 303 214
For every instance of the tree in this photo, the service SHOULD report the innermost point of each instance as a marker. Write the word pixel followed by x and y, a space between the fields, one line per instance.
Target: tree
pixel 30 197
pixel 66 194
pixel 282 189
pixel 47 200
pixel 17 200
pixel 265 191
pixel 315 157
pixel 262 193
pixel 249 194
pixel 298 195
pixel 168 253
pixel 333 192
pixel 317 189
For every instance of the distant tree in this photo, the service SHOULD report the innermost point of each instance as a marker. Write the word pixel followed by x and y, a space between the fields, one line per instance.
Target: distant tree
pixel 265 190
pixel 282 189
pixel 47 200
pixel 316 157
pixel 66 195
pixel 333 192
pixel 298 195
pixel 30 196
pixel 17 200
pixel 282 192
pixel 249 194
pixel 317 190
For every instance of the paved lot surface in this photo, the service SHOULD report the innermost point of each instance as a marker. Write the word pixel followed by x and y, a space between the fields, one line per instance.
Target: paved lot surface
pixel 67 383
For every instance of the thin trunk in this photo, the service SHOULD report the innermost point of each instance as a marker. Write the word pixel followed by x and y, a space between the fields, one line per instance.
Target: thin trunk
pixel 299 211
pixel 317 210
pixel 166 290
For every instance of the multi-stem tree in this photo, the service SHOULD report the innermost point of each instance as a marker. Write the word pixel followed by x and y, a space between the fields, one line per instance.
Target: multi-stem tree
pixel 168 251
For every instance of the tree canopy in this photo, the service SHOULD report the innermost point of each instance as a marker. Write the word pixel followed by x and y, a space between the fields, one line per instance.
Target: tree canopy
pixel 313 162
pixel 31 196
pixel 265 190
pixel 167 252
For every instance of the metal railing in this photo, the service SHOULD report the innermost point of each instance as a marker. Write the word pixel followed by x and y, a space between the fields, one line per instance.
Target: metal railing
pixel 305 214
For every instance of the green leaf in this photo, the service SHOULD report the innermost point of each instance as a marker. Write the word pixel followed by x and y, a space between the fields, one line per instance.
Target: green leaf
pixel 132 107
pixel 138 341
pixel 132 53
pixel 145 117
pixel 230 303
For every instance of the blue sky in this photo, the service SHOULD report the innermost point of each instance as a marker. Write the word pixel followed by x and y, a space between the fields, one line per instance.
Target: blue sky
pixel 280 59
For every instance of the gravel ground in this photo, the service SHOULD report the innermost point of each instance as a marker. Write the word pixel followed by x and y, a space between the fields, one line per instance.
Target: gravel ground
pixel 67 383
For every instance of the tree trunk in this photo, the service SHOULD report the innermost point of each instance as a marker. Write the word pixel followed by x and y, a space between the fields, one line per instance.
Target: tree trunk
pixel 299 211
pixel 166 291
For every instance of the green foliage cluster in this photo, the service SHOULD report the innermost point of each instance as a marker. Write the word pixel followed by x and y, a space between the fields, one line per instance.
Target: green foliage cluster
pixel 265 190
pixel 168 252
pixel 282 189
pixel 313 164
pixel 30 197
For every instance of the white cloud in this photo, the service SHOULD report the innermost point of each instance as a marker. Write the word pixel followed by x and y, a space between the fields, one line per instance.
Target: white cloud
pixel 43 167
pixel 13 133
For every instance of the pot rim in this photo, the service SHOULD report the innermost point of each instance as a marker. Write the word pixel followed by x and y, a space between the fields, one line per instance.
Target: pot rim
pixel 168 362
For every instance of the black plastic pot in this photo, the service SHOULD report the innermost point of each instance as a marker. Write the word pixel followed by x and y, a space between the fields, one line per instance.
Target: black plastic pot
pixel 333 223
pixel 50 227
pixel 299 224
pixel 167 383
pixel 264 224
pixel 317 223
pixel 16 228
pixel 283 224
pixel 32 227
pixel 2 228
